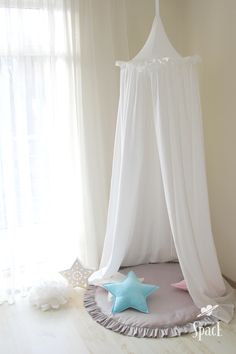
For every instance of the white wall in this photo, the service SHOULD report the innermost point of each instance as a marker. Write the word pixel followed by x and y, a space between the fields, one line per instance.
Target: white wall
pixel 212 29
pixel 207 28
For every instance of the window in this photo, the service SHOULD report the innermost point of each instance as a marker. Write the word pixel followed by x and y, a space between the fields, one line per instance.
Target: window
pixel 39 156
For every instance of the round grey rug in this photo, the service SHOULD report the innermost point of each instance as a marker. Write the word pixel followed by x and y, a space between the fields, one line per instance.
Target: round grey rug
pixel 171 311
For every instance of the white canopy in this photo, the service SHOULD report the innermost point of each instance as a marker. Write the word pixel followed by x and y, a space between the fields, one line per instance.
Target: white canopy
pixel 158 208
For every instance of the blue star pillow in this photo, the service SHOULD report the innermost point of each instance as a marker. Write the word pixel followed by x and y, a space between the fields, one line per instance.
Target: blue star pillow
pixel 130 293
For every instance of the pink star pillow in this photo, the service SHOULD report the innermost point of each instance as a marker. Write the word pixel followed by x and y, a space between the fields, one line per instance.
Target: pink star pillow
pixel 180 285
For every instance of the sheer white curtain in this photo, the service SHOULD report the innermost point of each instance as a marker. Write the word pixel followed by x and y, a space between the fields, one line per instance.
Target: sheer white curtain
pixel 53 171
pixel 103 38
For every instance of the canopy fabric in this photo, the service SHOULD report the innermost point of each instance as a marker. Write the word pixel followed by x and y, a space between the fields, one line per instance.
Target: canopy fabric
pixel 158 208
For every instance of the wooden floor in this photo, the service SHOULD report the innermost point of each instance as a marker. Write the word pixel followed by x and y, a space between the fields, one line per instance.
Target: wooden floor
pixel 25 330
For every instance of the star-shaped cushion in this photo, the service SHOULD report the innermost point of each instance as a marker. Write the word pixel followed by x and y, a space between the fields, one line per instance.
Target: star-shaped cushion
pixel 130 293
pixel 77 275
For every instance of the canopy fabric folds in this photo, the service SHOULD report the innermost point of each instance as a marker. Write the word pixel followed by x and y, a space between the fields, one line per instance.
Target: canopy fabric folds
pixel 158 208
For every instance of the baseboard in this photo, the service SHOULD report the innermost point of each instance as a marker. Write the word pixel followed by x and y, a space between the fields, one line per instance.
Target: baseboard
pixel 230 281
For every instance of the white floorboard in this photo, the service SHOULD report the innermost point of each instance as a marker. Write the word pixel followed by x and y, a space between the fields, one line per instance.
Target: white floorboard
pixel 25 330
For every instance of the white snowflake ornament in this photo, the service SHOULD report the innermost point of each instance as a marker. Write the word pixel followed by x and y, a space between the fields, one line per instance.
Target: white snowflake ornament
pixel 77 275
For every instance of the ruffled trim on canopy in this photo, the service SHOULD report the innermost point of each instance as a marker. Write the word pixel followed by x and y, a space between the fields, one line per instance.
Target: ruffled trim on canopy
pixel 159 62
pixel 109 322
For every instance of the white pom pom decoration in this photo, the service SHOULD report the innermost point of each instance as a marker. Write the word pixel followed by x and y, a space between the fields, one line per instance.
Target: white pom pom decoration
pixel 50 295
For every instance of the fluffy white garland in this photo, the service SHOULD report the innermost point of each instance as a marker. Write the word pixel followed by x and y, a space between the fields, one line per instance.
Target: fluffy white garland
pixel 50 295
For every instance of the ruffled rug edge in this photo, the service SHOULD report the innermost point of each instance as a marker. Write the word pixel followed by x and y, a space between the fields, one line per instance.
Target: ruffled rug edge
pixel 109 322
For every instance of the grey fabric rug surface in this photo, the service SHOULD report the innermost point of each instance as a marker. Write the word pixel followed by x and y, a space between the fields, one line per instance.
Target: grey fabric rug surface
pixel 171 311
